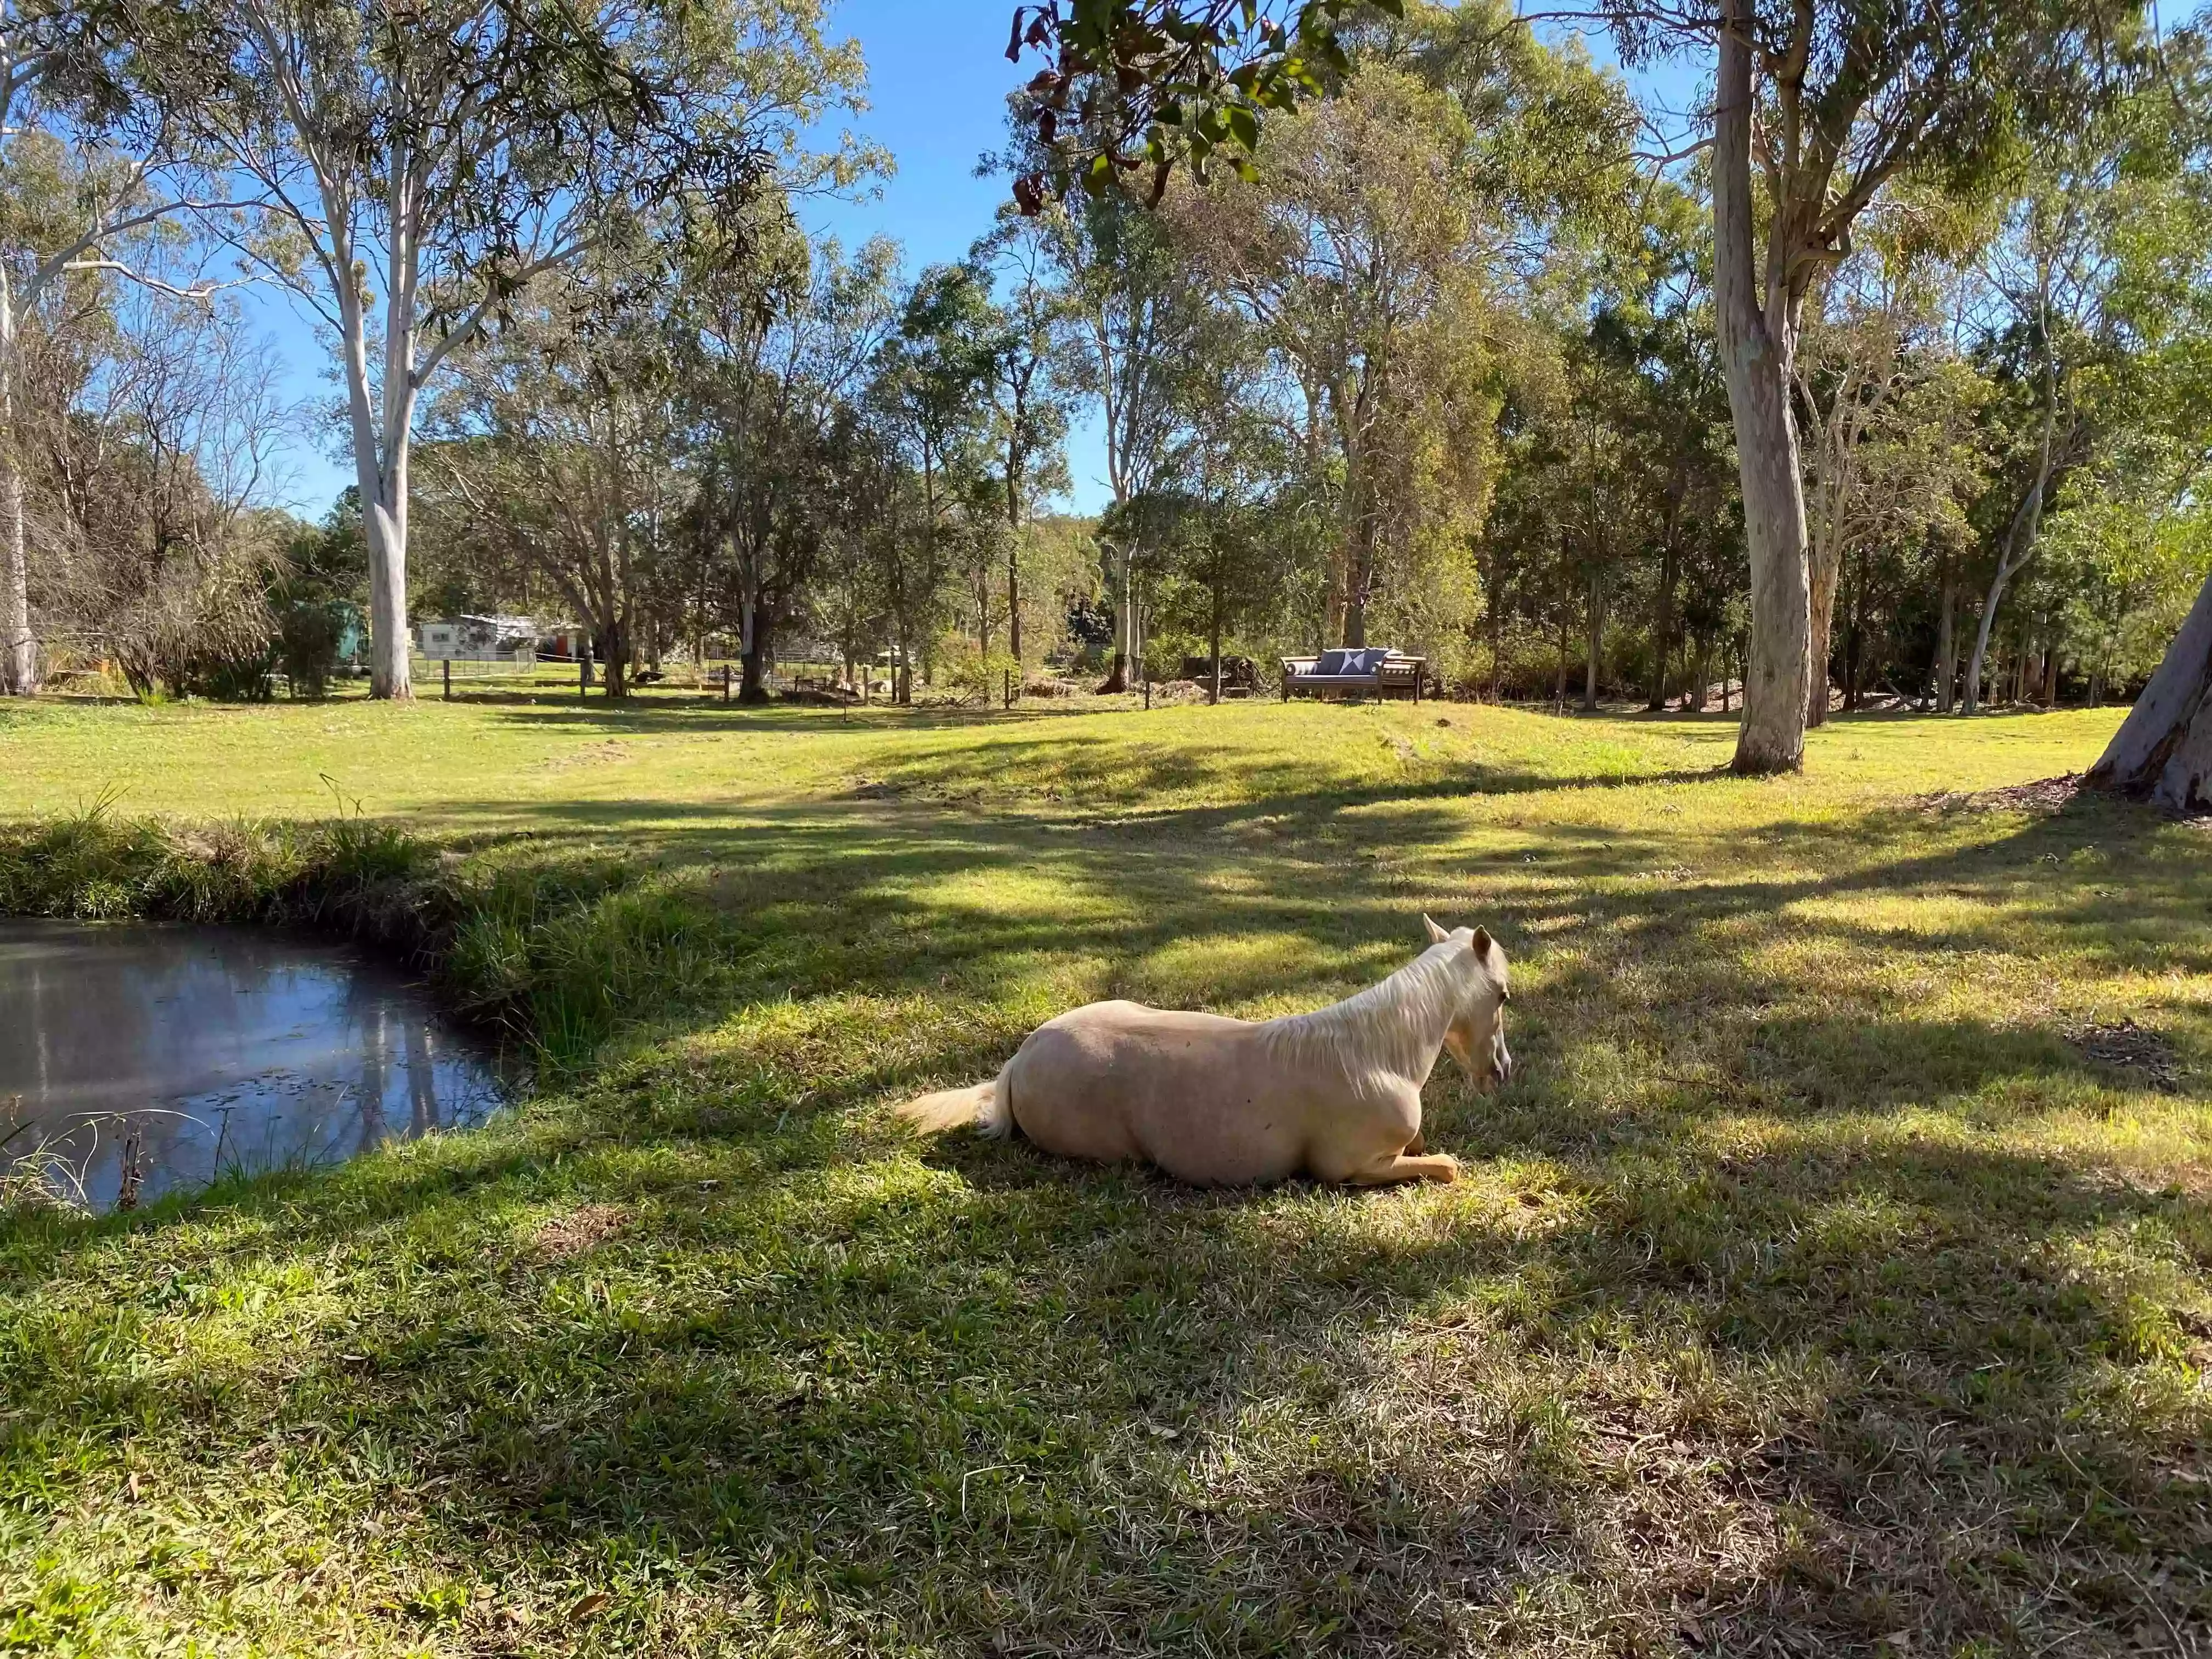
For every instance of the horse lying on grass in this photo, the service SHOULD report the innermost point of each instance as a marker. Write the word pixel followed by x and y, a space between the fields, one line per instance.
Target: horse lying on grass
pixel 1335 1093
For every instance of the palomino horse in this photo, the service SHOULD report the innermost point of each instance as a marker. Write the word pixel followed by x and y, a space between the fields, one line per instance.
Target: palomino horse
pixel 1335 1093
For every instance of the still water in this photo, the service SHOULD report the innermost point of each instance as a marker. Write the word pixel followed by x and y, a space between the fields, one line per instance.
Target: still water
pixel 209 1048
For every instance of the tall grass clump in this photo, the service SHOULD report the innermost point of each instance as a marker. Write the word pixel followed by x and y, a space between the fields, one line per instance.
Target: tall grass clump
pixel 558 958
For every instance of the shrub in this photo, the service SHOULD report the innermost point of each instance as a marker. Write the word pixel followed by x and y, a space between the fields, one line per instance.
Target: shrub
pixel 309 634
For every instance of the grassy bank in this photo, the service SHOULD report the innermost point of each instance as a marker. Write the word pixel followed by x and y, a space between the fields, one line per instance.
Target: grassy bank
pixel 1835 1266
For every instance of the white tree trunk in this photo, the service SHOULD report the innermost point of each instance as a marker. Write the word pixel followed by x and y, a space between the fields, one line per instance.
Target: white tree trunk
pixel 389 671
pixel 1755 347
pixel 2163 749
pixel 19 649
pixel 1118 672
pixel 19 655
pixel 380 431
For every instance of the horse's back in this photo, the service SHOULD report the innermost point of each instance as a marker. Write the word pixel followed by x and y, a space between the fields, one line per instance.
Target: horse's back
pixel 1188 1091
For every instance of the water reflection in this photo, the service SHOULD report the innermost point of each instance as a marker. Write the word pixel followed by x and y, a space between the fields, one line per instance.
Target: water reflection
pixel 214 1047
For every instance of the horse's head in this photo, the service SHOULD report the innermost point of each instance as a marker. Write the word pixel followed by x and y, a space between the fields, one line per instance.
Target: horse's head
pixel 1476 1036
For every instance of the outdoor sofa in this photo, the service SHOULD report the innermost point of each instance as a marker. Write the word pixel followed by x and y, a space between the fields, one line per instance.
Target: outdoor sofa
pixel 1375 671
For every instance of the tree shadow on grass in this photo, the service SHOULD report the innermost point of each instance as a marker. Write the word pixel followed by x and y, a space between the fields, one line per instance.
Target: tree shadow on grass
pixel 996 1397
pixel 1762 1307
pixel 686 713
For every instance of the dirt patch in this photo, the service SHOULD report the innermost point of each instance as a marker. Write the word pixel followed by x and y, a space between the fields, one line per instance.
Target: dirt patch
pixel 575 1231
pixel 590 754
pixel 2133 1048
pixel 873 789
pixel 2043 795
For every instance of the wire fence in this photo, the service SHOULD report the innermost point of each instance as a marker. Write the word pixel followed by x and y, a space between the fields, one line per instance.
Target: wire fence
pixel 457 677
pixel 459 668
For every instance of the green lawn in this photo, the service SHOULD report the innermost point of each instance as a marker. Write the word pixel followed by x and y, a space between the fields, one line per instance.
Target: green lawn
pixel 1812 1290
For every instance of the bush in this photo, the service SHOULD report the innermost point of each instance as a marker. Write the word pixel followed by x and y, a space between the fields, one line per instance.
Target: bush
pixel 189 638
pixel 967 675
pixel 309 634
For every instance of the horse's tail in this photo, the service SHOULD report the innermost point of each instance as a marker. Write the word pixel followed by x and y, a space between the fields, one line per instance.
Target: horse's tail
pixel 989 1107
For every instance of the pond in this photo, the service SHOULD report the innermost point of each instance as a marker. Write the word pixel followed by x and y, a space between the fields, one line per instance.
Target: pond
pixel 180 1053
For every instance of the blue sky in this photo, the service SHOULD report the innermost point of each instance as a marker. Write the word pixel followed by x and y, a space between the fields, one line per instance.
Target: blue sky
pixel 938 80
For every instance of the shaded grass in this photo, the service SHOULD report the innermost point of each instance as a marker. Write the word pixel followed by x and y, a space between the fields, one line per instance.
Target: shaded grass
pixel 1807 1285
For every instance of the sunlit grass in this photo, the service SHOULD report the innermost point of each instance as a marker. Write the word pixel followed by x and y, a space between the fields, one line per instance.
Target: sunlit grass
pixel 1809 1284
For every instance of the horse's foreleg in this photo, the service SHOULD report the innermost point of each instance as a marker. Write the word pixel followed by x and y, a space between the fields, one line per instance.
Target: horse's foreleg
pixel 1395 1167
pixel 1416 1146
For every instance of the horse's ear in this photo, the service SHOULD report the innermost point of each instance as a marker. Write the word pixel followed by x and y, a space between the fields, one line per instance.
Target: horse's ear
pixel 1482 942
pixel 1436 935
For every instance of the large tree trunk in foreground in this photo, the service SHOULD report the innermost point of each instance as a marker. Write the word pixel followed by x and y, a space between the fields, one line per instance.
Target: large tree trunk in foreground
pixel 2163 750
pixel 1755 346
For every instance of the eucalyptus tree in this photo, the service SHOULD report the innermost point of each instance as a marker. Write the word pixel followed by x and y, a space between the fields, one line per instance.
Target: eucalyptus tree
pixel 1656 326
pixel 2163 750
pixel 1142 333
pixel 550 447
pixel 1818 105
pixel 1383 252
pixel 1353 260
pixel 2125 555
pixel 773 362
pixel 1889 410
pixel 1030 380
pixel 926 390
pixel 421 164
pixel 2056 344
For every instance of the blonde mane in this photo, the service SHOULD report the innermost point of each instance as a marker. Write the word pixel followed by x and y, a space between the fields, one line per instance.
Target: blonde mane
pixel 1386 1033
